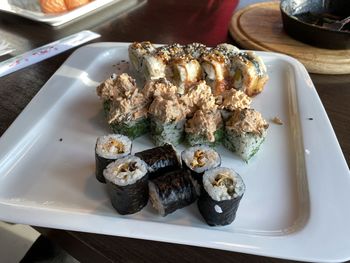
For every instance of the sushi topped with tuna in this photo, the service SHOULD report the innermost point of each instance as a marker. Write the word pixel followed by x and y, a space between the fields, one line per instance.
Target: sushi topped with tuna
pixel 125 106
pixel 245 131
pixel 205 127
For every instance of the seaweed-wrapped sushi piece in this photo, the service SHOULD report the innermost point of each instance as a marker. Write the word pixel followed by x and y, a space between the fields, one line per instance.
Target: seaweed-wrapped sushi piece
pixel 198 159
pixel 245 131
pixel 223 191
pixel 127 184
pixel 172 191
pixel 160 160
pixel 109 148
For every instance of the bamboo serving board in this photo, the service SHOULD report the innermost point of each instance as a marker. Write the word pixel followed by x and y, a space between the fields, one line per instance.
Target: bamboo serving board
pixel 259 27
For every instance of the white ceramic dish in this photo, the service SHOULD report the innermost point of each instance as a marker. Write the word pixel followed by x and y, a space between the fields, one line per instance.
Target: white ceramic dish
pixel 31 9
pixel 295 205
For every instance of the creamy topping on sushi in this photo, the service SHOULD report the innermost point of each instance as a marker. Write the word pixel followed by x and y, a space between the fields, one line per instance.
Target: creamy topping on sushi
pixel 223 184
pixel 233 99
pixel 167 109
pixel 125 171
pixel 201 158
pixel 129 108
pixel 159 87
pixel 113 146
pixel 199 96
pixel 115 86
pixel 204 123
pixel 247 121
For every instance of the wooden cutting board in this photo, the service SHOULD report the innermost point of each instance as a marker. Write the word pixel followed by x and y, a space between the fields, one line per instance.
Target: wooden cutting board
pixel 259 27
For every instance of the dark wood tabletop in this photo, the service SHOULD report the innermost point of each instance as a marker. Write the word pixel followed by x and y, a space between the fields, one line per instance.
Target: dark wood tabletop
pixel 159 21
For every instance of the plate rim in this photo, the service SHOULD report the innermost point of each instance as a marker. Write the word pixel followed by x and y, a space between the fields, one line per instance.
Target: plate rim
pixel 252 244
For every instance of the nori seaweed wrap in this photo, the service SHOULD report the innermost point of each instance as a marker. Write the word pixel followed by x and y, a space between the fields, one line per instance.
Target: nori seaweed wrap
pixel 160 160
pixel 172 191
pixel 223 190
pixel 199 159
pixel 109 148
pixel 127 184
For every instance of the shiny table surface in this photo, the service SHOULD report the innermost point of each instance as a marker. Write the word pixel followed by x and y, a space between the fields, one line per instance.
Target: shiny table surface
pixel 159 21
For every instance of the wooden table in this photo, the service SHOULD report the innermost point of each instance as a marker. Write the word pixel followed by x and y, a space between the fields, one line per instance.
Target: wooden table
pixel 159 21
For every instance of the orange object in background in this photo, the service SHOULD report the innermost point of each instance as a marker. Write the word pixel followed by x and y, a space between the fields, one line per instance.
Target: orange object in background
pixel 60 6
pixel 71 4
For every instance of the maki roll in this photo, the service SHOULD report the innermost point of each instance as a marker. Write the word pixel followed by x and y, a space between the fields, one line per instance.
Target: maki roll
pixel 159 87
pixel 215 70
pixel 127 184
pixel 185 70
pixel 223 190
pixel 248 73
pixel 245 131
pixel 108 149
pixel 156 64
pixel 232 100
pixel 172 191
pixel 160 160
pixel 167 119
pixel 127 115
pixel 199 159
pixel 137 51
pixel 205 127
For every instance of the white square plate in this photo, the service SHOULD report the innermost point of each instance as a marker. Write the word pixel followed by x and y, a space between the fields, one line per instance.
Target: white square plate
pixel 298 185
pixel 31 9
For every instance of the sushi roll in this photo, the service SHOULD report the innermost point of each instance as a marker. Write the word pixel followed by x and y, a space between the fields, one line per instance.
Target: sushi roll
pixel 185 70
pixel 231 100
pixel 198 159
pixel 127 115
pixel 172 191
pixel 248 73
pixel 223 190
pixel 160 160
pixel 156 64
pixel 167 119
pixel 204 128
pixel 215 70
pixel 245 131
pixel 127 184
pixel 137 51
pixel 108 149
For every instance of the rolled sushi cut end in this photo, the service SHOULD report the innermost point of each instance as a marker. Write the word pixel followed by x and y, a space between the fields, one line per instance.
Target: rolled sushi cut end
pixel 160 160
pixel 172 191
pixel 223 191
pixel 199 159
pixel 245 131
pixel 109 148
pixel 137 51
pixel 127 184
